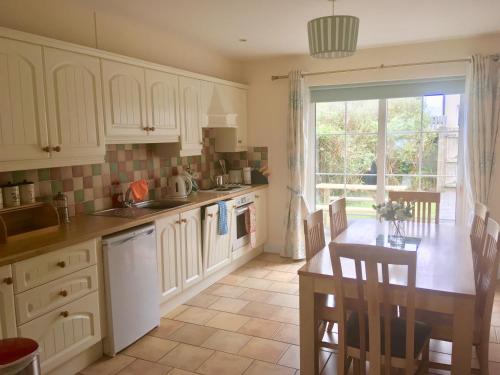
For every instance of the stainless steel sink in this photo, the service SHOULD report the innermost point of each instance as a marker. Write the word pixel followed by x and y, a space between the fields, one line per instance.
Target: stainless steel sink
pixel 141 209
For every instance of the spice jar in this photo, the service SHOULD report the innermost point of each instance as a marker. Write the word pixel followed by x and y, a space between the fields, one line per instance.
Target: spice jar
pixel 61 203
pixel 27 192
pixel 11 196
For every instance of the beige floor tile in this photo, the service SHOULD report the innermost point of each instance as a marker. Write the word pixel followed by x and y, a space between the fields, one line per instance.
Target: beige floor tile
pixel 150 348
pixel 265 368
pixel 225 341
pixel 108 366
pixel 494 368
pixel 228 291
pixel 291 358
pixel 494 334
pixel 258 263
pixel 295 280
pixel 273 258
pixel 253 272
pixel 192 334
pixel 202 300
pixel 259 310
pixel 140 367
pixel 289 333
pixel 261 328
pixel 166 328
pixel 178 371
pixel 494 352
pixel 232 279
pixel 227 321
pixel 495 319
pixel 280 276
pixel 280 287
pixel 286 315
pixel 176 311
pixel 264 349
pixel 224 364
pixel 232 305
pixel 196 315
pixel 211 288
pixel 186 357
pixel 295 266
pixel 285 300
pixel 256 295
pixel 255 283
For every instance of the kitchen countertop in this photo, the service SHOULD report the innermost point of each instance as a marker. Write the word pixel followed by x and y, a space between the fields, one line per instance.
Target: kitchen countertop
pixel 86 227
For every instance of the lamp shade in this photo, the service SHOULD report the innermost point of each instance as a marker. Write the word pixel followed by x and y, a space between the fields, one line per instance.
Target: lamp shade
pixel 333 36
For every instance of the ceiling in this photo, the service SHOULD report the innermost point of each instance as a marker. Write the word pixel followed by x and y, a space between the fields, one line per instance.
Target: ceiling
pixel 277 27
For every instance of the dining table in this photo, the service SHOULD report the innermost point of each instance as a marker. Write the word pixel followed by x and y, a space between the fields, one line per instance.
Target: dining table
pixel 444 280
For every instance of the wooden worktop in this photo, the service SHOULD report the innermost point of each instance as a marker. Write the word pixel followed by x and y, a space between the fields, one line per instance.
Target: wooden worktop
pixel 86 227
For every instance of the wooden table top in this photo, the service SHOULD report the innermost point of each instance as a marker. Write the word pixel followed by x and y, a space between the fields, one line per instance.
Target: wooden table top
pixel 444 256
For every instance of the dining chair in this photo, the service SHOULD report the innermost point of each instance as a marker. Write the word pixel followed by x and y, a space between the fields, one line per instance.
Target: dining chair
pixel 477 236
pixel 424 202
pixel 314 235
pixel 338 217
pixel 372 332
pixel 442 325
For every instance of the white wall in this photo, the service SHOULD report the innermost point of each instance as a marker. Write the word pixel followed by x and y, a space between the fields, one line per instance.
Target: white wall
pixel 73 21
pixel 268 107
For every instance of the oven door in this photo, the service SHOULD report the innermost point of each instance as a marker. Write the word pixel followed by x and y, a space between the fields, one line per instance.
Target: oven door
pixel 241 236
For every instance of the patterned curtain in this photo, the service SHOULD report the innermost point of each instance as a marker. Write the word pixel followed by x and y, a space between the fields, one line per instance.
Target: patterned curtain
pixel 481 128
pixel 296 152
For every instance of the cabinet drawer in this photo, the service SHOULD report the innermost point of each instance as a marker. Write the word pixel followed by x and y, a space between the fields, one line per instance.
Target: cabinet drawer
pixel 66 331
pixel 44 268
pixel 47 297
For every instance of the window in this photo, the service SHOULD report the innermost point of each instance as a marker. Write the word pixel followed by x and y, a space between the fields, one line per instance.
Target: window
pixel 367 147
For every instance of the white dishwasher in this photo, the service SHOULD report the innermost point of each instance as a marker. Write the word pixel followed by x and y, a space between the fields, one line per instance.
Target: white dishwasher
pixel 132 290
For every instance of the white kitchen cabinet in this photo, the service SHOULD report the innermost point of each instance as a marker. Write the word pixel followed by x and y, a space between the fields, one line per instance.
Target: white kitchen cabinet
pixel 66 331
pixel 192 271
pixel 74 104
pixel 23 126
pixel 7 311
pixel 162 101
pixel 216 248
pixel 169 253
pixel 261 217
pixel 124 102
pixel 190 116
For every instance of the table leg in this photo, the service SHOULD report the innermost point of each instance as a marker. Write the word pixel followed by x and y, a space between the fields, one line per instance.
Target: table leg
pixel 307 327
pixel 463 327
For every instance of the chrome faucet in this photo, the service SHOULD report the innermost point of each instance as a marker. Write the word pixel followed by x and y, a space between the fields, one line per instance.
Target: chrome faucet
pixel 128 201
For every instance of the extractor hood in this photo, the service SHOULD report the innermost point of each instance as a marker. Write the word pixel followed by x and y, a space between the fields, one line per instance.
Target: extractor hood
pixel 220 112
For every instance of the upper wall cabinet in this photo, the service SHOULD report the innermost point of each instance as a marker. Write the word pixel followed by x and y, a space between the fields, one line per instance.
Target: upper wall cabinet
pixel 23 126
pixel 76 123
pixel 190 116
pixel 162 98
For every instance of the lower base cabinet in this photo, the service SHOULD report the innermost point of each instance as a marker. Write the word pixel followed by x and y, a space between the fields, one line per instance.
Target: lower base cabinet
pixel 7 312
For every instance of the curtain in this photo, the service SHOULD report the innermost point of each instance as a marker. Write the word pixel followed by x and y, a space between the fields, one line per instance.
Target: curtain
pixel 297 153
pixel 482 122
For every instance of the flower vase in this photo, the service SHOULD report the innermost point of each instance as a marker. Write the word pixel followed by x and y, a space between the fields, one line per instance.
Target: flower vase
pixel 397 238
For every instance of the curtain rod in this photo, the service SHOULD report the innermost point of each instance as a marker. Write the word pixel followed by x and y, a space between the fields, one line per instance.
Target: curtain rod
pixel 381 66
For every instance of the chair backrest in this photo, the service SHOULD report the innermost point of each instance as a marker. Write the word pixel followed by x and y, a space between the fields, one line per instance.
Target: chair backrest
pixel 424 201
pixel 477 236
pixel 377 296
pixel 488 280
pixel 338 217
pixel 314 233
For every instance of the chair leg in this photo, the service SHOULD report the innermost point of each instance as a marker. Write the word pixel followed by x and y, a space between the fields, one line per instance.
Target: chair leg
pixel 356 366
pixel 424 367
pixel 329 327
pixel 483 358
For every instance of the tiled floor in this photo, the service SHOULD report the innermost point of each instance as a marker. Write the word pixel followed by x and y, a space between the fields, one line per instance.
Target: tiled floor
pixel 247 323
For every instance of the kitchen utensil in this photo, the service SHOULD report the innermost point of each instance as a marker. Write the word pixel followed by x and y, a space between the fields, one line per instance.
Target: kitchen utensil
pixel 61 203
pixel 11 196
pixel 235 176
pixel 247 175
pixel 27 192
pixel 222 163
pixel 179 186
pixel 219 181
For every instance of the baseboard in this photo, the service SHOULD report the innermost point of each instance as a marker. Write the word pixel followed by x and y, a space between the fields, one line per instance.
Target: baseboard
pixel 80 361
pixel 270 248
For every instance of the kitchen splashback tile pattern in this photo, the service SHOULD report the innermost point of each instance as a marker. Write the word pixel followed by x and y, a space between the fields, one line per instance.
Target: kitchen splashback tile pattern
pixel 88 187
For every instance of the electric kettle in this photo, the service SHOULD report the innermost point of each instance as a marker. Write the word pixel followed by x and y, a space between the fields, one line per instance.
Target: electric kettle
pixel 179 186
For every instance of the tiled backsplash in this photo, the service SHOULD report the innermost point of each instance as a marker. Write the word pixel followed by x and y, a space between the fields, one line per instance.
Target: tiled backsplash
pixel 88 187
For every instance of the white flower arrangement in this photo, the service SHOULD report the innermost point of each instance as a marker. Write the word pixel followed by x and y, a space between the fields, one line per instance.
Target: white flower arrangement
pixel 395 210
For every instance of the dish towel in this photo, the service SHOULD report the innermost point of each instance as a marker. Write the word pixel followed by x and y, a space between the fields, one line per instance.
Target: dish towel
pixel 250 223
pixel 222 222
pixel 139 189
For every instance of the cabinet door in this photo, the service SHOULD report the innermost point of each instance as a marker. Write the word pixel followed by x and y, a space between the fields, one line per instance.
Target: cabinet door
pixel 168 248
pixel 23 125
pixel 74 102
pixel 191 121
pixel 66 331
pixel 261 217
pixel 124 100
pixel 7 312
pixel 191 247
pixel 162 104
pixel 216 248
pixel 241 110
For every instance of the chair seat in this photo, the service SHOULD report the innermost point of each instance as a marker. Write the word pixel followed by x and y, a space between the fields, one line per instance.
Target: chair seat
pixel 442 325
pixel 398 336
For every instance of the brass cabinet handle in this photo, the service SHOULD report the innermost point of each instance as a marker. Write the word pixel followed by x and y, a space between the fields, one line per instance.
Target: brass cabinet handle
pixel 64 314
pixel 8 280
pixel 257 196
pixel 46 149
pixel 240 141
pixel 61 264
pixel 152 128
pixel 145 128
pixel 210 215
pixel 177 222
pixel 63 293
pixel 56 149
pixel 184 220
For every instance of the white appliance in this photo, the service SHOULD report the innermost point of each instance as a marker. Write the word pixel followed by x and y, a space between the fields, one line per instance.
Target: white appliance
pixel 241 236
pixel 179 186
pixel 132 290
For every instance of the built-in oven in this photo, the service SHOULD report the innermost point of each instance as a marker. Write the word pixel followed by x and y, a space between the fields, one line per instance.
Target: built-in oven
pixel 241 236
